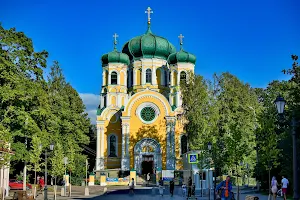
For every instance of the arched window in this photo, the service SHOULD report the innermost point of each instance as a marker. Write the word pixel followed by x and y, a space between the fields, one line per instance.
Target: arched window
pixel 182 77
pixel 114 78
pixel 112 147
pixel 148 76
pixel 183 144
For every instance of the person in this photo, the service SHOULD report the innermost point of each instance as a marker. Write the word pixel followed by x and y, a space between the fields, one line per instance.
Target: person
pixel 171 187
pixel 131 186
pixel 284 186
pixel 226 188
pixel 161 187
pixel 193 189
pixel 274 188
pixel 148 178
pixel 190 187
pixel 42 183
pixel 183 190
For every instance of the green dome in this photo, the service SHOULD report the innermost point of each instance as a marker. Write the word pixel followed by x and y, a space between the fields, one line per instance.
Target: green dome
pixel 115 57
pixel 148 46
pixel 182 56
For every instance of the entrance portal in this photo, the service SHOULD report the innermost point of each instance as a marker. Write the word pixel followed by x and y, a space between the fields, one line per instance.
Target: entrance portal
pixel 147 156
pixel 147 164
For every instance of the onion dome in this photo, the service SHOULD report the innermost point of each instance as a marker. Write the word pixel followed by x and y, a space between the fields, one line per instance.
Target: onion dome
pixel 115 56
pixel 181 56
pixel 148 45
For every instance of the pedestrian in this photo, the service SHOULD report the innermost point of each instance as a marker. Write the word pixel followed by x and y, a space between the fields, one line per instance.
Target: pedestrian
pixel 226 188
pixel 284 186
pixel 183 190
pixel 148 178
pixel 171 187
pixel 131 186
pixel 161 187
pixel 190 186
pixel 274 187
pixel 42 183
pixel 52 178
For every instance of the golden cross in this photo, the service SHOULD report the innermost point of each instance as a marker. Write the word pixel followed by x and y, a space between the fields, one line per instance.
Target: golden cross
pixel 149 11
pixel 115 40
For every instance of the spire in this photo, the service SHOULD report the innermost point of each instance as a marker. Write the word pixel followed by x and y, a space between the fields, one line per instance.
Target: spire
pixel 181 41
pixel 115 41
pixel 149 11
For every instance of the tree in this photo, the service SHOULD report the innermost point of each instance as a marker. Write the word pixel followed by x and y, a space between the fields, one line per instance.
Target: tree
pixel 35 155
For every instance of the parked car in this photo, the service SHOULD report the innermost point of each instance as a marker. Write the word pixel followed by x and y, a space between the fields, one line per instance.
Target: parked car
pixel 17 185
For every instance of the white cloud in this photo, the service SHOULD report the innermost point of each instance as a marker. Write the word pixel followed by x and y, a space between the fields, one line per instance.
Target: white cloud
pixel 91 102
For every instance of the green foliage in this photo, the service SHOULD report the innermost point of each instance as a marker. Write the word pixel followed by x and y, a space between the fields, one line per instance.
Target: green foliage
pixel 41 110
pixel 57 163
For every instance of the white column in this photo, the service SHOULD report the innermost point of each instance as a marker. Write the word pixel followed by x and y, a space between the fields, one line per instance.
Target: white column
pixel 102 148
pixel 102 102
pixel 123 166
pixel 134 76
pixel 177 99
pixel 118 100
pixel 103 78
pixel 178 78
pixel 125 79
pixel 154 79
pixel 107 99
pixel 109 78
pixel 98 149
pixel 171 99
pixel 143 77
pixel 168 77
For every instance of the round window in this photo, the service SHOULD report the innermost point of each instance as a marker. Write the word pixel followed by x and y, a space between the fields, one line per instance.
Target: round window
pixel 148 114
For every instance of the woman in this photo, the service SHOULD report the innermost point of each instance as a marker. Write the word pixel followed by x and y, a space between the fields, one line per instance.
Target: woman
pixel 131 186
pixel 274 188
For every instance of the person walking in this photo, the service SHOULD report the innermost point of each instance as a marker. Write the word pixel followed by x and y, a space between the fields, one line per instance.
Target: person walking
pixel 183 189
pixel 131 186
pixel 190 182
pixel 161 187
pixel 226 188
pixel 274 187
pixel 171 187
pixel 284 186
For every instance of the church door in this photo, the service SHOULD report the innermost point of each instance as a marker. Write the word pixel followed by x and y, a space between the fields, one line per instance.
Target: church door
pixel 147 164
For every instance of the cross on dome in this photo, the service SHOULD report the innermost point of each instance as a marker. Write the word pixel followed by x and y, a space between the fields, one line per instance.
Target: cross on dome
pixel 115 40
pixel 149 11
pixel 181 40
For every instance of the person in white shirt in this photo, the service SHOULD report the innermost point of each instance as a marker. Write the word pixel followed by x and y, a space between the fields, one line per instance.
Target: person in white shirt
pixel 284 186
pixel 274 188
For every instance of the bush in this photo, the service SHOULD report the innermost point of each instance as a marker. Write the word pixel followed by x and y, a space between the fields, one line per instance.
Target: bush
pixel 75 180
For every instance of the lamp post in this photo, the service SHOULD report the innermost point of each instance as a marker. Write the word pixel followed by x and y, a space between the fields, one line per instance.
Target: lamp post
pixel 51 147
pixel 280 103
pixel 209 145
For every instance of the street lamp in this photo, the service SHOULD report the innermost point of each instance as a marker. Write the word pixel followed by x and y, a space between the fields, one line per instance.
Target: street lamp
pixel 209 146
pixel 280 103
pixel 51 147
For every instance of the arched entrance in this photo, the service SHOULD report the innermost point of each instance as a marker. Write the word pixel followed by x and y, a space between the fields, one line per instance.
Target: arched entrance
pixel 147 156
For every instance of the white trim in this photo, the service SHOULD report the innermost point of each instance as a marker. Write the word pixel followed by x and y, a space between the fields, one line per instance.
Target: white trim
pixel 108 145
pixel 147 104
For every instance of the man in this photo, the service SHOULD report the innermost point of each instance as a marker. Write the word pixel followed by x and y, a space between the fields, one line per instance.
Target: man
pixel 226 188
pixel 161 187
pixel 148 178
pixel 190 187
pixel 284 183
pixel 171 187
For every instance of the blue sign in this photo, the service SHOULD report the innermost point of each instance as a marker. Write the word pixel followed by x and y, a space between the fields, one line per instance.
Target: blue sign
pixel 193 158
pixel 112 179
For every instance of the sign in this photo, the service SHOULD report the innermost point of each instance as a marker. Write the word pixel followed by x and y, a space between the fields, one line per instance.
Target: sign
pixel 167 175
pixel 112 180
pixel 193 158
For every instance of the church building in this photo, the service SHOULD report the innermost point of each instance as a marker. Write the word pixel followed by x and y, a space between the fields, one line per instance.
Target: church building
pixel 139 123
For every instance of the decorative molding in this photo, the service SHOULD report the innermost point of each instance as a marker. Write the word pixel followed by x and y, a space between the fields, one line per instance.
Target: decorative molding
pixel 147 104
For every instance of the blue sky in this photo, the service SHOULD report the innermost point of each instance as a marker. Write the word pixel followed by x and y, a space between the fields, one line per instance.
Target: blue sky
pixel 250 39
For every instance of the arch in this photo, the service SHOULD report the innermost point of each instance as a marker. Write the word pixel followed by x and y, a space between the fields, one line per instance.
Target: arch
pixel 183 76
pixel 112 145
pixel 149 76
pixel 145 94
pixel 183 144
pixel 114 78
pixel 140 146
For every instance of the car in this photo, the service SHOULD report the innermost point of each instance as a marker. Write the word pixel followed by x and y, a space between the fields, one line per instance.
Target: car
pixel 17 185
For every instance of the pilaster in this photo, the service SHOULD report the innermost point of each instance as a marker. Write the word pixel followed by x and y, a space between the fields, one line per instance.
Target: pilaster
pixel 171 122
pixel 100 146
pixel 154 80
pixel 125 162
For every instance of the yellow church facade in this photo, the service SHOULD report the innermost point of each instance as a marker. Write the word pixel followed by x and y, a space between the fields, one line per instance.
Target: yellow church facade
pixel 139 124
